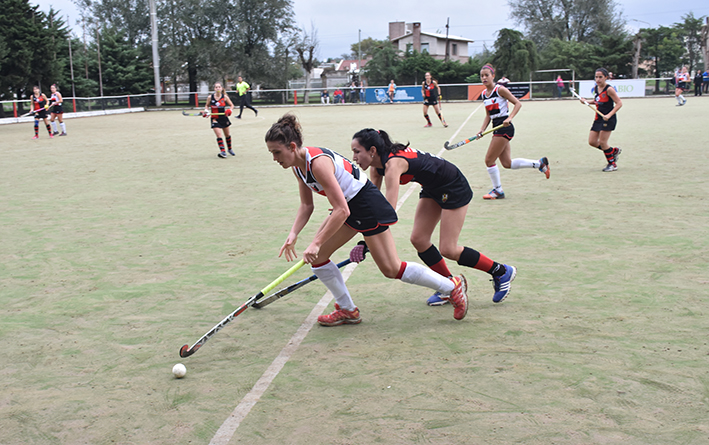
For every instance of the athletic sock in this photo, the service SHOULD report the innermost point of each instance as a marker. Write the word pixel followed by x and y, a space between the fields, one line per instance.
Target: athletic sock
pixel 49 129
pixel 331 277
pixel 440 117
pixel 472 258
pixel 524 163
pixel 494 173
pixel 610 154
pixel 36 128
pixel 63 125
pixel 54 126
pixel 220 142
pixel 433 259
pixel 427 118
pixel 414 273
pixel 497 270
pixel 228 142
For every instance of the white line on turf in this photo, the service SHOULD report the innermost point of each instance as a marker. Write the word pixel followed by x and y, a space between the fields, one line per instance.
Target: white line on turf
pixel 228 428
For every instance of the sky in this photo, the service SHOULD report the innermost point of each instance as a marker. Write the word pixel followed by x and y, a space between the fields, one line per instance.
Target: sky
pixel 339 27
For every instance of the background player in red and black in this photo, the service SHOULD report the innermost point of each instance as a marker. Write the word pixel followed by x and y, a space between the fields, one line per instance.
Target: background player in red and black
pixel 40 104
pixel 431 92
pixel 607 103
pixel 216 108
pixel 445 196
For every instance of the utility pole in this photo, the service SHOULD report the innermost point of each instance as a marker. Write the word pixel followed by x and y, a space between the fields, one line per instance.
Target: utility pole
pixel 156 56
pixel 359 56
pixel 71 65
pixel 447 45
pixel 98 51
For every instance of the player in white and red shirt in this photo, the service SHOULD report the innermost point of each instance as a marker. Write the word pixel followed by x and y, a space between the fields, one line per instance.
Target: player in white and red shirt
pixel 357 206
pixel 682 79
pixel 496 99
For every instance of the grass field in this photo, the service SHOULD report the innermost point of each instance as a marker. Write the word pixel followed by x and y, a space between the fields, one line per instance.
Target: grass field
pixel 129 238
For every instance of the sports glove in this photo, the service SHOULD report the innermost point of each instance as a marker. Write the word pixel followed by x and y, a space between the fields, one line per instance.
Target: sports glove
pixel 358 252
pixel 227 112
pixel 205 114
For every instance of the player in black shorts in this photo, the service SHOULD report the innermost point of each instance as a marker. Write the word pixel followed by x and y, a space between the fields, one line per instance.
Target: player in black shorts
pixel 40 104
pixel 431 92
pixel 445 196
pixel 496 99
pixel 57 111
pixel 682 80
pixel 356 206
pixel 216 109
pixel 607 103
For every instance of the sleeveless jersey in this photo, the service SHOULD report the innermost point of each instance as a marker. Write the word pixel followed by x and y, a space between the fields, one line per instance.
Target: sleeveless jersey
pixel 428 90
pixel 349 177
pixel 38 102
pixel 495 105
pixel 55 98
pixel 428 170
pixel 604 103
pixel 217 106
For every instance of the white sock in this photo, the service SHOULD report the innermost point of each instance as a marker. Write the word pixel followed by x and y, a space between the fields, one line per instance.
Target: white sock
pixel 63 125
pixel 415 273
pixel 681 97
pixel 524 163
pixel 494 173
pixel 54 126
pixel 331 277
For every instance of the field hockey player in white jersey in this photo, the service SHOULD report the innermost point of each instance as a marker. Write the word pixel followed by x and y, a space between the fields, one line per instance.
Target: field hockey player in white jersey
pixel 496 99
pixel 357 207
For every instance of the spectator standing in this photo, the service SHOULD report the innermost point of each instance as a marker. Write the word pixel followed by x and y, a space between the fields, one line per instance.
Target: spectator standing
pixel 705 80
pixel 559 86
pixel 698 81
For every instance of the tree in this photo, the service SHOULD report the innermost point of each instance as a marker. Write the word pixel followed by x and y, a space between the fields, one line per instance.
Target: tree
pixel 32 40
pixel 124 70
pixel 306 48
pixel 514 56
pixel 663 49
pixel 567 20
pixel 368 46
pixel 383 66
pixel 690 31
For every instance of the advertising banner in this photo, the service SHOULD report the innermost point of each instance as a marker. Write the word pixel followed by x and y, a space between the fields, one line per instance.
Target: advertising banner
pixel 624 87
pixel 403 95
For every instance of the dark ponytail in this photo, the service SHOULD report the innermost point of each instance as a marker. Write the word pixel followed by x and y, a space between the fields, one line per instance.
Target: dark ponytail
pixel 285 131
pixel 380 140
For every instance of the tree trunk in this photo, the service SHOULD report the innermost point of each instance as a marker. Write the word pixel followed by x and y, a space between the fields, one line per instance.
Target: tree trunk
pixel 306 99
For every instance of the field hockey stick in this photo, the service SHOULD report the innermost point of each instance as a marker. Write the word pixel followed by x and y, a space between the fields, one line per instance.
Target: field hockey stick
pixel 477 136
pixel 573 91
pixel 186 350
pixel 293 287
pixel 201 113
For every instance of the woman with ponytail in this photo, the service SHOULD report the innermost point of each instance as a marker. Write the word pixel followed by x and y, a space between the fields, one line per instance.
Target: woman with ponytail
pixel 444 198
pixel 496 99
pixel 357 206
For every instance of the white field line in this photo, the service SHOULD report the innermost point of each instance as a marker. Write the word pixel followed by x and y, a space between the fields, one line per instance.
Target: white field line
pixel 228 428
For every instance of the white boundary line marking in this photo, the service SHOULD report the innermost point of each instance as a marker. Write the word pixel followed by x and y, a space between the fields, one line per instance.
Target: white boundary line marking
pixel 228 428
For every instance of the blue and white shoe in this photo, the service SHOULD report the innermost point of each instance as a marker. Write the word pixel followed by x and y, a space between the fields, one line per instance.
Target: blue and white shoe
pixel 502 284
pixel 436 300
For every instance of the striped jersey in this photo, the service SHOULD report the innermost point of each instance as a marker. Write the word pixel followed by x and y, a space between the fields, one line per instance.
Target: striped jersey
pixel 349 177
pixel 495 105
